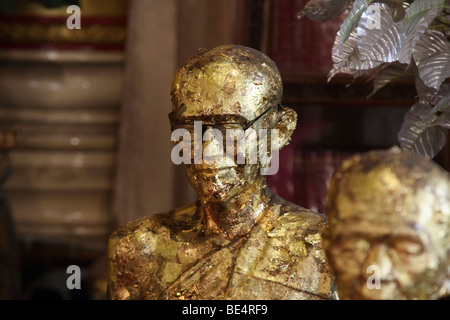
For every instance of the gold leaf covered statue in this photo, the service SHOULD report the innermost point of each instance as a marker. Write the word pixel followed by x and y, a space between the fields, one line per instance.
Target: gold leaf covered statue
pixel 238 241
pixel 389 227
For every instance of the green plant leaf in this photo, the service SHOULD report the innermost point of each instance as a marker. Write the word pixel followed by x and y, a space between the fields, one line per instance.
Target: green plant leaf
pixel 418 10
pixel 427 94
pixel 389 73
pixel 323 10
pixel 367 47
pixel 444 121
pixel 352 20
pixel 420 132
pixel 442 107
pixel 379 45
pixel 432 57
pixel 418 17
pixel 348 58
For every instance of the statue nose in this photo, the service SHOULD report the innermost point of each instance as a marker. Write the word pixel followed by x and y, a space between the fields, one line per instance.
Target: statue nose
pixel 213 151
pixel 379 261
pixel 212 148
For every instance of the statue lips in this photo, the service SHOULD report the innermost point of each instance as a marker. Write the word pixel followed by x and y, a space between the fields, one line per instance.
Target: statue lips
pixel 216 182
pixel 211 171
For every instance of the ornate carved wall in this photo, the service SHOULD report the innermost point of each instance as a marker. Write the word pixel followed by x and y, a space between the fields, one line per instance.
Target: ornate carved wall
pixel 62 89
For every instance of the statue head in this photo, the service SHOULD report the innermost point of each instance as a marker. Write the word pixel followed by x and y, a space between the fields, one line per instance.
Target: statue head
pixel 389 227
pixel 219 97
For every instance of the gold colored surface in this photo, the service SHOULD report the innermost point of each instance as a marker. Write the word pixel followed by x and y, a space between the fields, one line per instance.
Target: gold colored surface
pixel 224 82
pixel 391 210
pixel 238 241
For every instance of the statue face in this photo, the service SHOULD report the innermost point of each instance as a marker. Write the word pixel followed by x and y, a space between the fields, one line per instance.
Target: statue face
pixel 388 227
pixel 228 153
pixel 379 262
pixel 228 87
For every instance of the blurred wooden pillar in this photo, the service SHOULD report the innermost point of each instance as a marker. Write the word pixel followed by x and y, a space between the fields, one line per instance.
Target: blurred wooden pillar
pixel 144 179
pixel 207 24
pixel 161 36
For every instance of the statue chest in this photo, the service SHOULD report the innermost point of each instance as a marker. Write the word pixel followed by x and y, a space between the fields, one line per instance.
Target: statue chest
pixel 257 267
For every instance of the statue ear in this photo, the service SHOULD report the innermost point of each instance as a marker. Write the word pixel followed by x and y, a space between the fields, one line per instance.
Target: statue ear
pixel 286 125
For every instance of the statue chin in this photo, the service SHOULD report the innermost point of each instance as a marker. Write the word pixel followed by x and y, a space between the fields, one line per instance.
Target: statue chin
pixel 215 184
pixel 215 191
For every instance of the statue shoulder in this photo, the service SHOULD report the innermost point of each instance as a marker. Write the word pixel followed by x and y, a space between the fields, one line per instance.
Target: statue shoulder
pixel 140 232
pixel 301 219
pixel 300 226
pixel 136 252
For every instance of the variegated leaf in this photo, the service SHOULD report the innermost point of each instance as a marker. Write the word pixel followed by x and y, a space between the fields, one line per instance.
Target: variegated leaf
pixel 417 18
pixel 442 99
pixel 444 120
pixel 432 57
pixel 323 10
pixel 348 58
pixel 351 21
pixel 427 94
pixel 390 73
pixel 442 107
pixel 420 133
pixel 367 47
pixel 382 44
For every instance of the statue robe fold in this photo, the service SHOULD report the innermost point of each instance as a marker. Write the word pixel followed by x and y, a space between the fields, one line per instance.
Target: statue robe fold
pixel 167 256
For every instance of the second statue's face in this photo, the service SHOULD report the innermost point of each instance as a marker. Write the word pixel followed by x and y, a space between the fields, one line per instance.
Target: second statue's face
pixel 388 227
pixel 377 261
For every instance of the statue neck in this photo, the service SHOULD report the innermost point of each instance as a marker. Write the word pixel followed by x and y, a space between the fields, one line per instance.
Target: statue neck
pixel 236 217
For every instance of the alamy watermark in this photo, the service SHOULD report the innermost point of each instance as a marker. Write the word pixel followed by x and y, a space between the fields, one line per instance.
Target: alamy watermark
pixel 74 21
pixel 74 280
pixel 373 15
pixel 245 146
pixel 374 281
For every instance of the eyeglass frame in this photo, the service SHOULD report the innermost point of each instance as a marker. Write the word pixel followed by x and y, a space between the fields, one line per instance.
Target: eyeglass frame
pixel 244 127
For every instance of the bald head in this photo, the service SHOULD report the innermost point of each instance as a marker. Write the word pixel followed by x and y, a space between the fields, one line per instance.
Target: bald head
pixel 229 80
pixel 395 185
